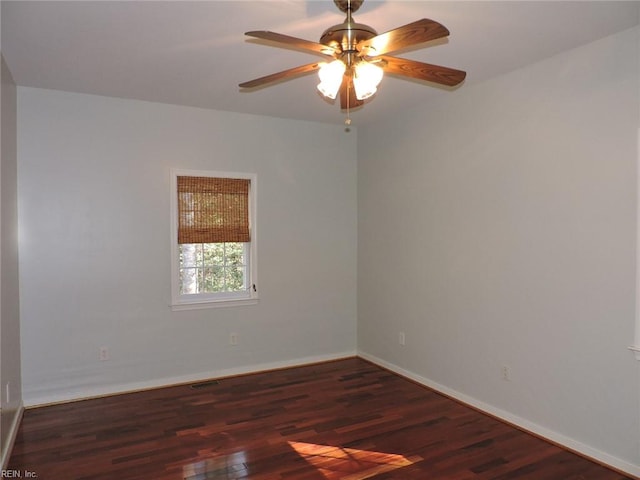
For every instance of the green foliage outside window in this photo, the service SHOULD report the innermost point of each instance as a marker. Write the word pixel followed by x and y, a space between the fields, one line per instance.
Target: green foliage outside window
pixel 212 267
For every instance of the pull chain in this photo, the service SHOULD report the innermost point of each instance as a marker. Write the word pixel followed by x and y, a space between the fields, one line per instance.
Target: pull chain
pixel 347 121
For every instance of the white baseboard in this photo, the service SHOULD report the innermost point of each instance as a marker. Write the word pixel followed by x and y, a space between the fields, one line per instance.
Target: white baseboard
pixel 11 437
pixel 33 400
pixel 550 435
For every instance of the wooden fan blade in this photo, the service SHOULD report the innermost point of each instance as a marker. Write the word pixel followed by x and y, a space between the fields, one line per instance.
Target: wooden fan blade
pixel 312 47
pixel 412 34
pixel 423 71
pixel 284 75
pixel 348 94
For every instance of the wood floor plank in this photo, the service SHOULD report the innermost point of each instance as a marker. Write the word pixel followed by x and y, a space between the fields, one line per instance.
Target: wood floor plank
pixel 343 420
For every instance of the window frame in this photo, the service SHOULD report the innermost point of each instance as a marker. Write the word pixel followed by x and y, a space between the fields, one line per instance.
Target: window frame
pixel 221 299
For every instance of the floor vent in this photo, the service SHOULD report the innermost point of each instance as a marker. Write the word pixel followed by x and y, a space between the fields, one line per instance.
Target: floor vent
pixel 210 383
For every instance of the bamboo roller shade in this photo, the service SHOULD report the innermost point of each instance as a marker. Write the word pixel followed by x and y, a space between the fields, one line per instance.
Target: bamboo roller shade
pixel 213 210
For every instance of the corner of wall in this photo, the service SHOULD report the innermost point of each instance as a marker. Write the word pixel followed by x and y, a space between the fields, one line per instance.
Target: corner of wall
pixel 10 436
pixel 11 405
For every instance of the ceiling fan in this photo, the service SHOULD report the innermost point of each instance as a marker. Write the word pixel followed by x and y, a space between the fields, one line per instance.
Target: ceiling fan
pixel 357 56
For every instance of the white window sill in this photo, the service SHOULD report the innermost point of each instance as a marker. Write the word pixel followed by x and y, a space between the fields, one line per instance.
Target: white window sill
pixel 202 304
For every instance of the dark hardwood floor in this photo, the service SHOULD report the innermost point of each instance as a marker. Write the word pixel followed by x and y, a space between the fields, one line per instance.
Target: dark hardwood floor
pixel 347 420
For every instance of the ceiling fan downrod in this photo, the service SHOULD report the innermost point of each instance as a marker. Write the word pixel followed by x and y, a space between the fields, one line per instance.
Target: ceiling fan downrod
pixel 351 5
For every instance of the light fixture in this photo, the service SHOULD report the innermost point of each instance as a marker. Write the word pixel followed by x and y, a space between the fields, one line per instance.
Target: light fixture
pixel 331 78
pixel 366 79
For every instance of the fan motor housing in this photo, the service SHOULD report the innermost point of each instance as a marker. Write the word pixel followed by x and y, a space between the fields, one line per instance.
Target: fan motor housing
pixel 347 35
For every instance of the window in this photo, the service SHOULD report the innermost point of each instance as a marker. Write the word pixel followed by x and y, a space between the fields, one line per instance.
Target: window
pixel 213 239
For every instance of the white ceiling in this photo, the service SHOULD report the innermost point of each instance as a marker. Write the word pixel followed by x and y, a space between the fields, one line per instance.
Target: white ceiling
pixel 195 53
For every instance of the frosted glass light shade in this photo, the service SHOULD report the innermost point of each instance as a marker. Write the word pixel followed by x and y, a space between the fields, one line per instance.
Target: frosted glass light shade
pixel 331 78
pixel 366 79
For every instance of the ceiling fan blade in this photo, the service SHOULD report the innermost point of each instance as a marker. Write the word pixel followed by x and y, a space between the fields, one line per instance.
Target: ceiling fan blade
pixel 423 71
pixel 348 94
pixel 284 75
pixel 414 33
pixel 293 42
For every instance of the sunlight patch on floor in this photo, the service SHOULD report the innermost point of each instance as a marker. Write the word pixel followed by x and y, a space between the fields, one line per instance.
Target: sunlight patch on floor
pixel 223 467
pixel 352 463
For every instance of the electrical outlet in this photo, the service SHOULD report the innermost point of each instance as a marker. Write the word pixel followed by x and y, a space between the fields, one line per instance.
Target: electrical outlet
pixel 233 339
pixel 103 354
pixel 506 373
pixel 401 338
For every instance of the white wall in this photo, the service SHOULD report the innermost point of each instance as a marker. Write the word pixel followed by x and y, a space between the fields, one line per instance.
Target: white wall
pixel 10 391
pixel 497 228
pixel 94 264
